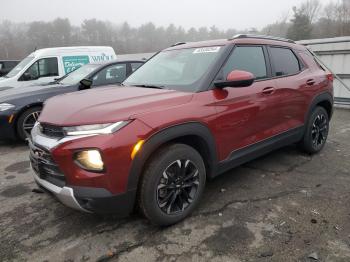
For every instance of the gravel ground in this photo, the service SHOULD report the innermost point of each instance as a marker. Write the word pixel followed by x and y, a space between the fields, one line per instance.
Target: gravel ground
pixel 286 206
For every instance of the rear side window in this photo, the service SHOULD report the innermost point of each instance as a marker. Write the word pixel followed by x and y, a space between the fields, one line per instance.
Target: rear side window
pixel 110 75
pixel 135 66
pixel 10 64
pixel 284 61
pixel 247 58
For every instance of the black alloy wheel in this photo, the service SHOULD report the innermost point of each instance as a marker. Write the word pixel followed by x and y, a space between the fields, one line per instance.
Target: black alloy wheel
pixel 316 131
pixel 177 186
pixel 172 184
pixel 319 130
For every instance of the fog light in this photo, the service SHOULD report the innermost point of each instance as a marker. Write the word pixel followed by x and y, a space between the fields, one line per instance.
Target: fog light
pixel 90 160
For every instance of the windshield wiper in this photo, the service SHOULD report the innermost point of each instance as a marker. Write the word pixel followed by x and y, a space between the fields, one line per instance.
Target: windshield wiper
pixel 150 86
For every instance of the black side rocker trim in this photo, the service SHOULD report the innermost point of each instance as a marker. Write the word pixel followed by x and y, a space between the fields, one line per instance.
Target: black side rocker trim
pixel 246 154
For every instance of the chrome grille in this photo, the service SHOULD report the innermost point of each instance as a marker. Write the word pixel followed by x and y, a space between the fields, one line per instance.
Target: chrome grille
pixel 52 131
pixel 45 167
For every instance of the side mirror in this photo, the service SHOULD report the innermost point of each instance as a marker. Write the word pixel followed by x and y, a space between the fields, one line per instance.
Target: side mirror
pixel 236 78
pixel 85 84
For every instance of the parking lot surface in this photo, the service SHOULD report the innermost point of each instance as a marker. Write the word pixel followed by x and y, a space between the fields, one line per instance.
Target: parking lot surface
pixel 286 206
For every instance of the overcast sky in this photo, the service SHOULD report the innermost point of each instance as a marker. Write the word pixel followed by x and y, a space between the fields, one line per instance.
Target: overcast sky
pixel 187 13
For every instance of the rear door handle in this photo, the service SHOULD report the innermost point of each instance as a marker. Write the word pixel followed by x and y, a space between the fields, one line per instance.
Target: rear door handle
pixel 268 90
pixel 310 82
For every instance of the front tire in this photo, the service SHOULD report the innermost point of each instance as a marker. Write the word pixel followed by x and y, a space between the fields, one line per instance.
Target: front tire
pixel 26 122
pixel 316 132
pixel 172 184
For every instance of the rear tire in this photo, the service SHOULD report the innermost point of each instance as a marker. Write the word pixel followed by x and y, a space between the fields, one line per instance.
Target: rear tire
pixel 172 184
pixel 316 132
pixel 26 122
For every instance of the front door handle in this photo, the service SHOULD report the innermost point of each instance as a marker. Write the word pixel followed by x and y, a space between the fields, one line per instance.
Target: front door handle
pixel 268 90
pixel 310 82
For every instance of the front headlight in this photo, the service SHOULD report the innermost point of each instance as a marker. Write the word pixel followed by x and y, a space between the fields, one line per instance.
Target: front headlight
pixel 98 129
pixel 6 106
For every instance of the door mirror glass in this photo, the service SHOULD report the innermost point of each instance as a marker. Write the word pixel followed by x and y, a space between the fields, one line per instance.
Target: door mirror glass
pixel 85 84
pixel 236 78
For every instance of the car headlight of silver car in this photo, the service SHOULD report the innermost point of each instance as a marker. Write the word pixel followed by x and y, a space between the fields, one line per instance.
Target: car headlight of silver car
pixel 6 106
pixel 98 129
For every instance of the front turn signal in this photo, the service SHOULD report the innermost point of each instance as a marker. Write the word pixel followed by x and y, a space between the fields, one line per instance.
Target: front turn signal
pixel 137 148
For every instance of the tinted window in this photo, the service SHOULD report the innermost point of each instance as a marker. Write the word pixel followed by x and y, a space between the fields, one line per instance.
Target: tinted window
pixel 110 75
pixel 247 58
pixel 10 64
pixel 284 61
pixel 134 66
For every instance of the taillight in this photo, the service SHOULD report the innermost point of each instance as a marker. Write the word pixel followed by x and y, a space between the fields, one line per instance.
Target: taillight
pixel 330 77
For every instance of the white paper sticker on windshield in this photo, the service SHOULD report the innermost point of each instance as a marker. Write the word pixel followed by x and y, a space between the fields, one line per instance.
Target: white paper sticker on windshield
pixel 212 49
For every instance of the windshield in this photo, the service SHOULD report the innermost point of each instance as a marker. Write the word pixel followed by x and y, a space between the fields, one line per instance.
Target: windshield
pixel 76 76
pixel 175 69
pixel 20 66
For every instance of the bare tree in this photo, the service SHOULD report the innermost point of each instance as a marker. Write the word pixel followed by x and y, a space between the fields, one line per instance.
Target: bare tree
pixel 311 8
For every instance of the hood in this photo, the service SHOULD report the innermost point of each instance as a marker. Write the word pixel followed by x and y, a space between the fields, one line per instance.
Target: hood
pixel 4 81
pixel 12 93
pixel 108 105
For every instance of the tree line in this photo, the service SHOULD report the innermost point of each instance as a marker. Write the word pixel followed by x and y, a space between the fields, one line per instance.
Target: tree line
pixel 309 20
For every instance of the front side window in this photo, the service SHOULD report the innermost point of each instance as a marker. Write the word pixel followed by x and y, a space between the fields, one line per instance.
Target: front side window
pixel 247 58
pixel 46 67
pixel 284 61
pixel 178 69
pixel 110 75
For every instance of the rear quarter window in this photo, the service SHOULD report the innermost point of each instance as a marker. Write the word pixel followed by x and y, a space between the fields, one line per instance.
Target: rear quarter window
pixel 284 61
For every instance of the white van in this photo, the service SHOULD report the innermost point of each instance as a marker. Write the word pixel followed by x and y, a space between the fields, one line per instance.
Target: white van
pixel 45 65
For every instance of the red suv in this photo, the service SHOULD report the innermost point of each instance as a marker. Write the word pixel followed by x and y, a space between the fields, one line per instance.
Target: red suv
pixel 192 112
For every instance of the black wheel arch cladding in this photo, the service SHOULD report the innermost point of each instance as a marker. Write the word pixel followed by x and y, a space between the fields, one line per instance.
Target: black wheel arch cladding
pixel 167 135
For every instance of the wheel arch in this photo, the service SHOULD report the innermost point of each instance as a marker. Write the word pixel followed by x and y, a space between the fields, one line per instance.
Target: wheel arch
pixel 324 100
pixel 194 134
pixel 21 111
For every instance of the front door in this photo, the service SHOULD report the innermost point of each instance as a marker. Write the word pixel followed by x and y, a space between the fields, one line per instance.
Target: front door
pixel 44 70
pixel 246 115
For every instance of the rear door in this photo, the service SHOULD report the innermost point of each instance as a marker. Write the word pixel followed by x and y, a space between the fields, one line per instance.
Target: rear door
pixel 246 115
pixel 291 76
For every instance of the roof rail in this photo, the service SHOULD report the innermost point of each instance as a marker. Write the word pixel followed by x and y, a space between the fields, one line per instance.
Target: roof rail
pixel 262 37
pixel 178 43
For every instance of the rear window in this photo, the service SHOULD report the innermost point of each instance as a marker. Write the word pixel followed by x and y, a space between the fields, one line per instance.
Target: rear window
pixel 284 61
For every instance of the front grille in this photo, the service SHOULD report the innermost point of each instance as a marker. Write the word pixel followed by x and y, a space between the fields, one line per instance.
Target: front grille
pixel 52 131
pixel 45 167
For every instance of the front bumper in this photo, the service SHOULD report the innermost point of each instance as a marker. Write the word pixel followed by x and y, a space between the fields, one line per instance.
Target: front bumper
pixel 55 171
pixel 7 130
pixel 64 194
pixel 90 200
